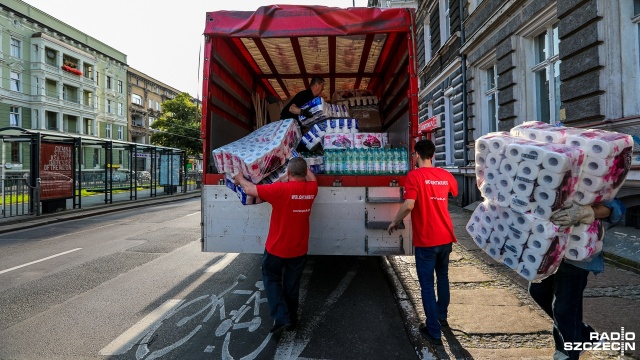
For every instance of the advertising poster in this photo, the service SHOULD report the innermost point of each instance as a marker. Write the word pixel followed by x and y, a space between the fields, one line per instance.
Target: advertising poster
pixel 169 166
pixel 56 171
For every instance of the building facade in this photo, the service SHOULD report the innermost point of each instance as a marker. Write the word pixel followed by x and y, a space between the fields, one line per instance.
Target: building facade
pixel 58 79
pixel 574 62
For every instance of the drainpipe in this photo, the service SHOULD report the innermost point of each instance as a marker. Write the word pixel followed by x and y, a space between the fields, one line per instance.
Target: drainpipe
pixel 465 137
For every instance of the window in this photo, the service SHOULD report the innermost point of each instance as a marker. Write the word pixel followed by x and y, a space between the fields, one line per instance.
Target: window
pixel 448 120
pixel 35 124
pixel 546 74
pixel 88 127
pixel 108 131
pixel 136 99
pixel 427 39
pixel 109 82
pixel 151 120
pixel 109 110
pixel 14 116
pixel 157 106
pixel 150 104
pixel 490 100
pixel 120 132
pixel 16 48
pixel 120 86
pixel 15 153
pixel 15 81
pixel 445 22
pixel 120 109
pixel 97 78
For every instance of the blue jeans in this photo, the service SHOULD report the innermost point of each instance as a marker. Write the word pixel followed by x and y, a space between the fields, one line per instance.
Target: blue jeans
pixel 281 278
pixel 429 260
pixel 560 296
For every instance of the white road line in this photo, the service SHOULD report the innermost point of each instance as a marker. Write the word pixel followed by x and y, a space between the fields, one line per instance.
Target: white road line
pixel 125 342
pixel 37 261
pixel 222 263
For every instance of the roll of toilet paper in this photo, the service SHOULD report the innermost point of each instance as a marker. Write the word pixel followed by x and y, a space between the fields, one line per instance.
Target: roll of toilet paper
pixel 488 190
pixel 521 204
pixel 556 162
pixel 517 236
pixel 528 170
pixel 510 261
pixel 513 249
pixel 494 251
pixel 491 176
pixel 498 143
pixel 489 220
pixel 508 167
pixel 506 216
pixel 492 207
pixel 485 231
pixel 524 129
pixel 551 180
pixel 532 258
pixel 493 161
pixel 501 229
pixel 523 187
pixel 522 221
pixel 482 146
pixel 543 228
pixel 514 151
pixel 479 175
pixel 472 229
pixel 532 153
pixel 552 198
pixel 542 211
pixel 503 199
pixel 527 271
pixel 597 166
pixel 592 183
pixel 497 240
pixel 580 239
pixel 604 144
pixel 480 241
pixel 578 253
pixel 504 183
pixel 539 244
pixel 481 159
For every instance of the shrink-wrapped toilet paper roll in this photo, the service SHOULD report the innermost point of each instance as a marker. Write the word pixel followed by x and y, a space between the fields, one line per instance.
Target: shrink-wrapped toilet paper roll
pixel 493 160
pixel 592 183
pixel 483 143
pixel 481 241
pixel 578 253
pixel 497 240
pixel 498 144
pixel 494 251
pixel 481 159
pixel 532 153
pixel 521 204
pixel 508 167
pixel 556 162
pixel 491 176
pixel 472 229
pixel 527 272
pixel 501 229
pixel 503 199
pixel 510 260
pixel 479 175
pixel 584 197
pixel 504 183
pixel 514 151
pixel 522 221
pixel 552 198
pixel 506 216
pixel 489 220
pixel 517 236
pixel 488 190
pixel 523 130
pixel 543 228
pixel 551 180
pixel 597 166
pixel 482 146
pixel 513 249
pixel 576 141
pixel 539 244
pixel 532 258
pixel 523 187
pixel 604 144
pixel 528 170
pixel 542 211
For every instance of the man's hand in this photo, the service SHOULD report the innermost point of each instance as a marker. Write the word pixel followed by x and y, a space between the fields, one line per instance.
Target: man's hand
pixel 238 177
pixel 392 226
pixel 573 214
pixel 306 113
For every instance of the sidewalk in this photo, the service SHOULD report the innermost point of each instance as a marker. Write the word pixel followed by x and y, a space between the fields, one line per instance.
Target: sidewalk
pixel 491 314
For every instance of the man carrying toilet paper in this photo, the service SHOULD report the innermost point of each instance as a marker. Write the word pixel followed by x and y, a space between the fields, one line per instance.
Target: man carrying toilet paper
pixel 560 295
pixel 288 239
pixel 427 199
pixel 292 109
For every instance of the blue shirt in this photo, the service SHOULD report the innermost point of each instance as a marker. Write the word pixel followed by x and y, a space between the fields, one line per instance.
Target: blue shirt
pixel 596 264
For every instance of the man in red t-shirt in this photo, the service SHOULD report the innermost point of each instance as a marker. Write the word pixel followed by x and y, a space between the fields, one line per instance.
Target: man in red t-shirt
pixel 426 197
pixel 288 239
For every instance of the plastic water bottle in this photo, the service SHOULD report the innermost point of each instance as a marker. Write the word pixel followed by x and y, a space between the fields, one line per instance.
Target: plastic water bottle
pixel 368 161
pixel 404 164
pixel 328 162
pixel 377 159
pixel 349 161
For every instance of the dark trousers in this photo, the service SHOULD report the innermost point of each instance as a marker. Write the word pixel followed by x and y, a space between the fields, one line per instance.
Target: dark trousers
pixel 281 278
pixel 560 296
pixel 430 260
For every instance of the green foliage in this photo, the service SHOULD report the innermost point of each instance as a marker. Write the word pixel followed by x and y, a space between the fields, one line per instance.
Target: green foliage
pixel 179 125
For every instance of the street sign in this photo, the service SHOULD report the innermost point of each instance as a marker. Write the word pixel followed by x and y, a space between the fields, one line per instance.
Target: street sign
pixel 430 124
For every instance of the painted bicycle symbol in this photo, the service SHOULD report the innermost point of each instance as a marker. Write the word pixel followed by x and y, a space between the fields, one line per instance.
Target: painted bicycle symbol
pixel 206 308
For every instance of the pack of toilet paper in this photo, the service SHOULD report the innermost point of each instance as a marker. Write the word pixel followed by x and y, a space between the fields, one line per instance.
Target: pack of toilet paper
pixel 321 110
pixel 529 173
pixel 261 152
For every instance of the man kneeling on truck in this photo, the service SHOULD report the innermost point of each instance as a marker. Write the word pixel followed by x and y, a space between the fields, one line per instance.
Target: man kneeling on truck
pixel 288 239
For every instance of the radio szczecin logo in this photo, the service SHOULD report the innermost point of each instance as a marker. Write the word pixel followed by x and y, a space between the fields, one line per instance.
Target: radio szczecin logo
pixel 616 341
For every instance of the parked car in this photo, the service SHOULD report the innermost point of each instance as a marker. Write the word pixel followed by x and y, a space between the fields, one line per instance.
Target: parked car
pixel 143 175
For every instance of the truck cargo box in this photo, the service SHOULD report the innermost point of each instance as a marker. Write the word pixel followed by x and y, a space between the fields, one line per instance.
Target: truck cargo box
pixel 254 62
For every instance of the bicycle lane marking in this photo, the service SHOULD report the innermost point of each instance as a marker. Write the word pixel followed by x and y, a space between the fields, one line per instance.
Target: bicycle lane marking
pixel 127 340
pixel 289 347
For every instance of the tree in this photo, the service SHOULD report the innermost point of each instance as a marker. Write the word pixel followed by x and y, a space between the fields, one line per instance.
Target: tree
pixel 179 125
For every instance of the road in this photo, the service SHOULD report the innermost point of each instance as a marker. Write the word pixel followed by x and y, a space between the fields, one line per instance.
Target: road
pixel 135 285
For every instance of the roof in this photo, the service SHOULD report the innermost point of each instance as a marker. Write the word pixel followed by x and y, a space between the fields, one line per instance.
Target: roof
pixel 286 45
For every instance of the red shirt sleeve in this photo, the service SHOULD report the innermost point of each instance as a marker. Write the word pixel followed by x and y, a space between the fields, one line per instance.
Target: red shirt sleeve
pixel 453 185
pixel 411 186
pixel 269 193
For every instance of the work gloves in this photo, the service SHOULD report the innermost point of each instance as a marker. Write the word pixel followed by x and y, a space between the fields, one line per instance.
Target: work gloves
pixel 306 113
pixel 572 214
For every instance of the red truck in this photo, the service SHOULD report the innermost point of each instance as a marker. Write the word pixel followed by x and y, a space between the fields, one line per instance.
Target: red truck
pixel 273 53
